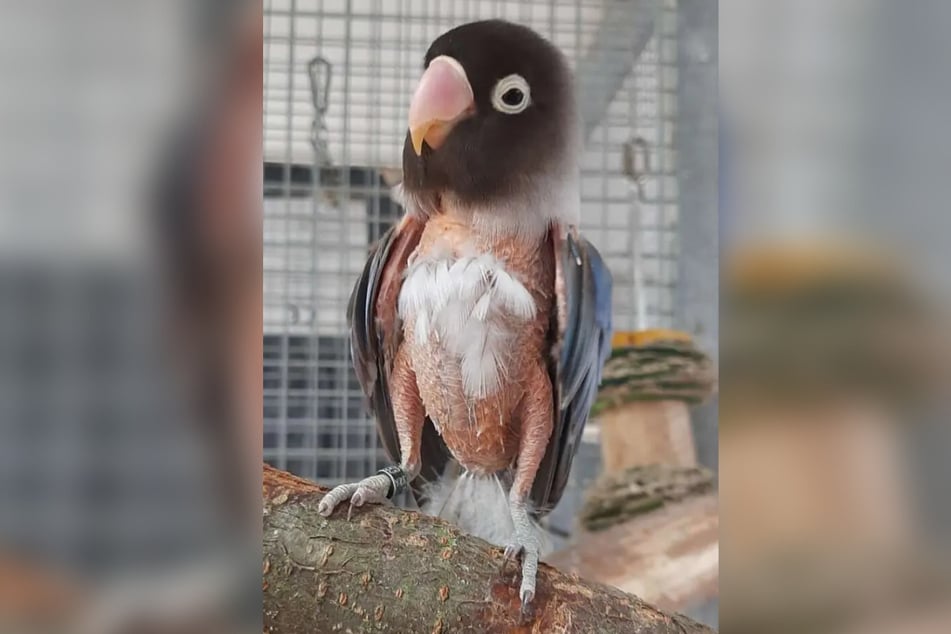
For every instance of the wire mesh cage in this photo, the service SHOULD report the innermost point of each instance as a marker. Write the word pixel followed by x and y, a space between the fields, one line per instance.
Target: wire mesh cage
pixel 338 77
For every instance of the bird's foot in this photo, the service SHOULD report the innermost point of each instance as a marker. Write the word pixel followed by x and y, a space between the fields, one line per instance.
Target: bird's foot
pixel 526 591
pixel 526 544
pixel 373 489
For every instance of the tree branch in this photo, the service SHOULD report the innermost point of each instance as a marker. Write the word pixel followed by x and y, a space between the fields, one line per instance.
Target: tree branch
pixel 399 571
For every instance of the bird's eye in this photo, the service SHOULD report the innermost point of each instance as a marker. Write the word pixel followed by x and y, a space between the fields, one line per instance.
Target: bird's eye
pixel 511 95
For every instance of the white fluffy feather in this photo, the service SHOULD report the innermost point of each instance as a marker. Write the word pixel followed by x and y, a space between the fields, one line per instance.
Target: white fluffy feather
pixel 468 303
pixel 480 506
pixel 513 295
pixel 481 310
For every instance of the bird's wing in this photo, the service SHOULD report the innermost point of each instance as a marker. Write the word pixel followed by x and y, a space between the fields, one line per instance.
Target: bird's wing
pixel 581 333
pixel 376 334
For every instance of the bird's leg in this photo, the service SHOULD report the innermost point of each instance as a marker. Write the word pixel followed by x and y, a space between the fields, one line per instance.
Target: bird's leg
pixel 536 420
pixel 409 416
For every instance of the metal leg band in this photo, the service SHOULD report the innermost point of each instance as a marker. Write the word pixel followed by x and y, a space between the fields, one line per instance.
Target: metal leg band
pixel 398 480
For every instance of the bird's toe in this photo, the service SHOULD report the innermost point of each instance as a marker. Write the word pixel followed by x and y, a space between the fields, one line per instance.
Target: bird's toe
pixel 527 610
pixel 510 554
pixel 526 596
pixel 512 551
pixel 529 572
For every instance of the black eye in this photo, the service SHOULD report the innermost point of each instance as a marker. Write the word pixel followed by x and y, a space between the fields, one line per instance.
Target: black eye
pixel 513 97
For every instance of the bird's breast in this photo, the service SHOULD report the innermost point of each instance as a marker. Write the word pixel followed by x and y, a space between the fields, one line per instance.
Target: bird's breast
pixel 471 308
pixel 479 304
pixel 475 314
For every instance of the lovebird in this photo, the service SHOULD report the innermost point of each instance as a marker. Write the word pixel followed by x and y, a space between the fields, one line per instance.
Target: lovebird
pixel 482 320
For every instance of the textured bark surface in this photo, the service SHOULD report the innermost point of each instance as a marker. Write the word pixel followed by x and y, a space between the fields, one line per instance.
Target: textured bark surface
pixel 388 570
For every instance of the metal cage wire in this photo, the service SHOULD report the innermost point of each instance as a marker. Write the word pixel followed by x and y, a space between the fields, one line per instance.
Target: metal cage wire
pixel 338 76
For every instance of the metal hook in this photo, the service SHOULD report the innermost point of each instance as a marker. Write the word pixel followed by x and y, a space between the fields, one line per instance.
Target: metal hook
pixel 319 71
pixel 636 170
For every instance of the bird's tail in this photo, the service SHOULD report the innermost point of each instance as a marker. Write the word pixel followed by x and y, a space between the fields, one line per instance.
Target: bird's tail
pixel 479 505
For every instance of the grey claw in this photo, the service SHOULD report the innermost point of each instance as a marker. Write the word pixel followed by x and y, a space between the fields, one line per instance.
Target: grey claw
pixel 355 500
pixel 511 553
pixel 527 612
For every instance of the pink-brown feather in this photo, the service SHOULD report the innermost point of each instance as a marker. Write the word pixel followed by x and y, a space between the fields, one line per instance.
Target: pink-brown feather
pixel 512 424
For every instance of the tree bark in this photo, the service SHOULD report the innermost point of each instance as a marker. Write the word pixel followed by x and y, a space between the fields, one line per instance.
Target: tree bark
pixel 397 571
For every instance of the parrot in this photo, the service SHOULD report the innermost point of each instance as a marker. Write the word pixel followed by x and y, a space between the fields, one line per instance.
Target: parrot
pixel 482 320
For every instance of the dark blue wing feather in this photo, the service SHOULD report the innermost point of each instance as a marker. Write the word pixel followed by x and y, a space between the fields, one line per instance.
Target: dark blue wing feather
pixel 603 283
pixel 576 374
pixel 369 363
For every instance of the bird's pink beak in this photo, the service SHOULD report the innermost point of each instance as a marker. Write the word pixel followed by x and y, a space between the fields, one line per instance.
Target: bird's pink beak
pixel 441 100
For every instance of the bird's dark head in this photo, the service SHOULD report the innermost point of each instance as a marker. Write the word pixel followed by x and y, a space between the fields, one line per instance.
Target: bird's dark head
pixel 493 116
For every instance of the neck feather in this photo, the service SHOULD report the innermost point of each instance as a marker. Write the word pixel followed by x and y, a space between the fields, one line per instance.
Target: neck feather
pixel 526 216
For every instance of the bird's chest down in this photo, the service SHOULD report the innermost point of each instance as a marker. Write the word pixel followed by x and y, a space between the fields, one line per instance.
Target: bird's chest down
pixel 475 317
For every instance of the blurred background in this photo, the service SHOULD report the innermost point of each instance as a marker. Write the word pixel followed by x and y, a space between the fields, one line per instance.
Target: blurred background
pixel 834 434
pixel 130 323
pixel 131 286
pixel 338 77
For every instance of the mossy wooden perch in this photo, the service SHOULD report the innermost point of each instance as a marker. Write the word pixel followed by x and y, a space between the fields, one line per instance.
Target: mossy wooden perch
pixel 655 370
pixel 618 497
pixel 389 570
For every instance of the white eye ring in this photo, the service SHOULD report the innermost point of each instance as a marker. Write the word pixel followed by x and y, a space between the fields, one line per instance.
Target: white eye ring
pixel 506 84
